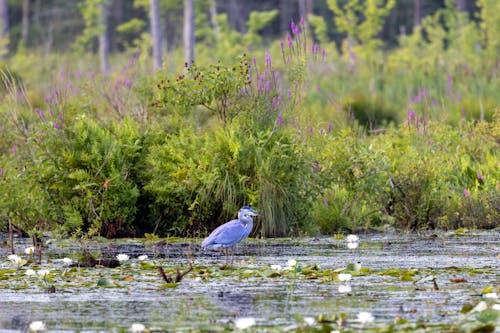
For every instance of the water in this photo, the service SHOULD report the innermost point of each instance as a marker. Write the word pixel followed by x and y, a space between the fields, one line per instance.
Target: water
pixel 212 296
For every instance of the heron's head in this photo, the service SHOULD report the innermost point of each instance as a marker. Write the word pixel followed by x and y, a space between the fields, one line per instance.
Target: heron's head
pixel 247 211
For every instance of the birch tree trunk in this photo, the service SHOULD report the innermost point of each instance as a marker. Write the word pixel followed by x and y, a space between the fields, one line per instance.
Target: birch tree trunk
pixel 417 12
pixel 25 24
pixel 154 14
pixel 188 32
pixel 104 37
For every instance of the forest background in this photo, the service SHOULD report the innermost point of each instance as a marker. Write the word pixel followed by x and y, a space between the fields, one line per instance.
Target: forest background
pixel 120 118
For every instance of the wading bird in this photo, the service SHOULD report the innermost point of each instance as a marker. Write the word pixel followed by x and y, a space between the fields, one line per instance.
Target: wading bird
pixel 231 233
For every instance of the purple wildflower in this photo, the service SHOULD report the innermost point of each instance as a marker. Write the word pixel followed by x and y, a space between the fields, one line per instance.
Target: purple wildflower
pixel 311 129
pixel 59 116
pixel 274 102
pixel 2 171
pixel 57 126
pixel 479 177
pixel 289 94
pixel 268 60
pixel 14 149
pixel 325 202
pixel 280 120
pixel 466 193
pixel 329 129
pixel 290 42
pixel 268 86
pixel 295 29
pixel 127 83
pixel 40 114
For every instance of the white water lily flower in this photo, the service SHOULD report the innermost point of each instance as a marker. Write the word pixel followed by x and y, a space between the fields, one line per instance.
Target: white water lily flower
pixel 481 306
pixel 490 295
pixel 309 321
pixel 29 250
pixel 67 261
pixel 276 267
pixel 243 323
pixel 37 326
pixel 352 245
pixel 344 277
pixel 345 288
pixel 365 317
pixel 14 258
pixel 352 239
pixel 122 257
pixel 43 272
pixel 30 272
pixel 142 257
pixel 291 263
pixel 137 328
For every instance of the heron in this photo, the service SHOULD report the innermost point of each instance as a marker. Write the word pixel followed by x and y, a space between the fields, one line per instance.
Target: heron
pixel 231 233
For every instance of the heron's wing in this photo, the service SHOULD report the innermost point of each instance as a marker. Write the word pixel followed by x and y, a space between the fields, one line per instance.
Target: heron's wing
pixel 226 235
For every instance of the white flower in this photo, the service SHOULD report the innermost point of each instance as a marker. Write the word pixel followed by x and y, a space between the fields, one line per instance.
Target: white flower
pixel 14 258
pixel 291 263
pixel 344 277
pixel 481 306
pixel 67 261
pixel 365 317
pixel 122 257
pixel 143 257
pixel 37 326
pixel 490 295
pixel 496 307
pixel 352 246
pixel 309 321
pixel 137 328
pixel 242 323
pixel 29 250
pixel 43 272
pixel 345 288
pixel 276 267
pixel 30 272
pixel 352 239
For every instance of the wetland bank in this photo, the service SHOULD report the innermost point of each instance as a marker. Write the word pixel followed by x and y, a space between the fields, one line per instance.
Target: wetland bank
pixel 407 282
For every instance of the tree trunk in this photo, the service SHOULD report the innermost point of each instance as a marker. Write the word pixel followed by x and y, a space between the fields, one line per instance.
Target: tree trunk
pixel 154 14
pixel 4 25
pixel 213 19
pixel 417 12
pixel 25 25
pixel 103 37
pixel 285 16
pixel 461 5
pixel 188 32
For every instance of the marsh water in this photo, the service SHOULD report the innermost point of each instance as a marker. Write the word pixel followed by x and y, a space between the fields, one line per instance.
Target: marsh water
pixel 447 272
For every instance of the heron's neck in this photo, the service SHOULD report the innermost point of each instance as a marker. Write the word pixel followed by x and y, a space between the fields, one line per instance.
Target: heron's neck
pixel 245 219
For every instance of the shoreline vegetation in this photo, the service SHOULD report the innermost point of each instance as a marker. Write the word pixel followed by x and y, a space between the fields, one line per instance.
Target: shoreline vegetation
pixel 320 139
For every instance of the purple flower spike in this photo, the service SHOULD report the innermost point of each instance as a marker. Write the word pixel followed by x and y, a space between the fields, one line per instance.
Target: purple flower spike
pixel 40 113
pixel 280 120
pixel 2 171
pixel 329 129
pixel 268 60
pixel 466 193
pixel 57 126
pixel 289 94
pixel 325 202
pixel 311 130
pixel 14 149
pixel 268 86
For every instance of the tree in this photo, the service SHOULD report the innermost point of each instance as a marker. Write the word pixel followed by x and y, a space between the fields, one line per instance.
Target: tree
pixel 103 36
pixel 4 28
pixel 188 32
pixel 461 5
pixel 154 13
pixel 25 24
pixel 417 12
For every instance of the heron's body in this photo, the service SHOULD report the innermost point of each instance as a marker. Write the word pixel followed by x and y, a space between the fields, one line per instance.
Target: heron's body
pixel 231 233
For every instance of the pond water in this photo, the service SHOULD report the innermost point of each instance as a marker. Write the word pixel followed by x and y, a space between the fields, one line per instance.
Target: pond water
pixel 424 279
